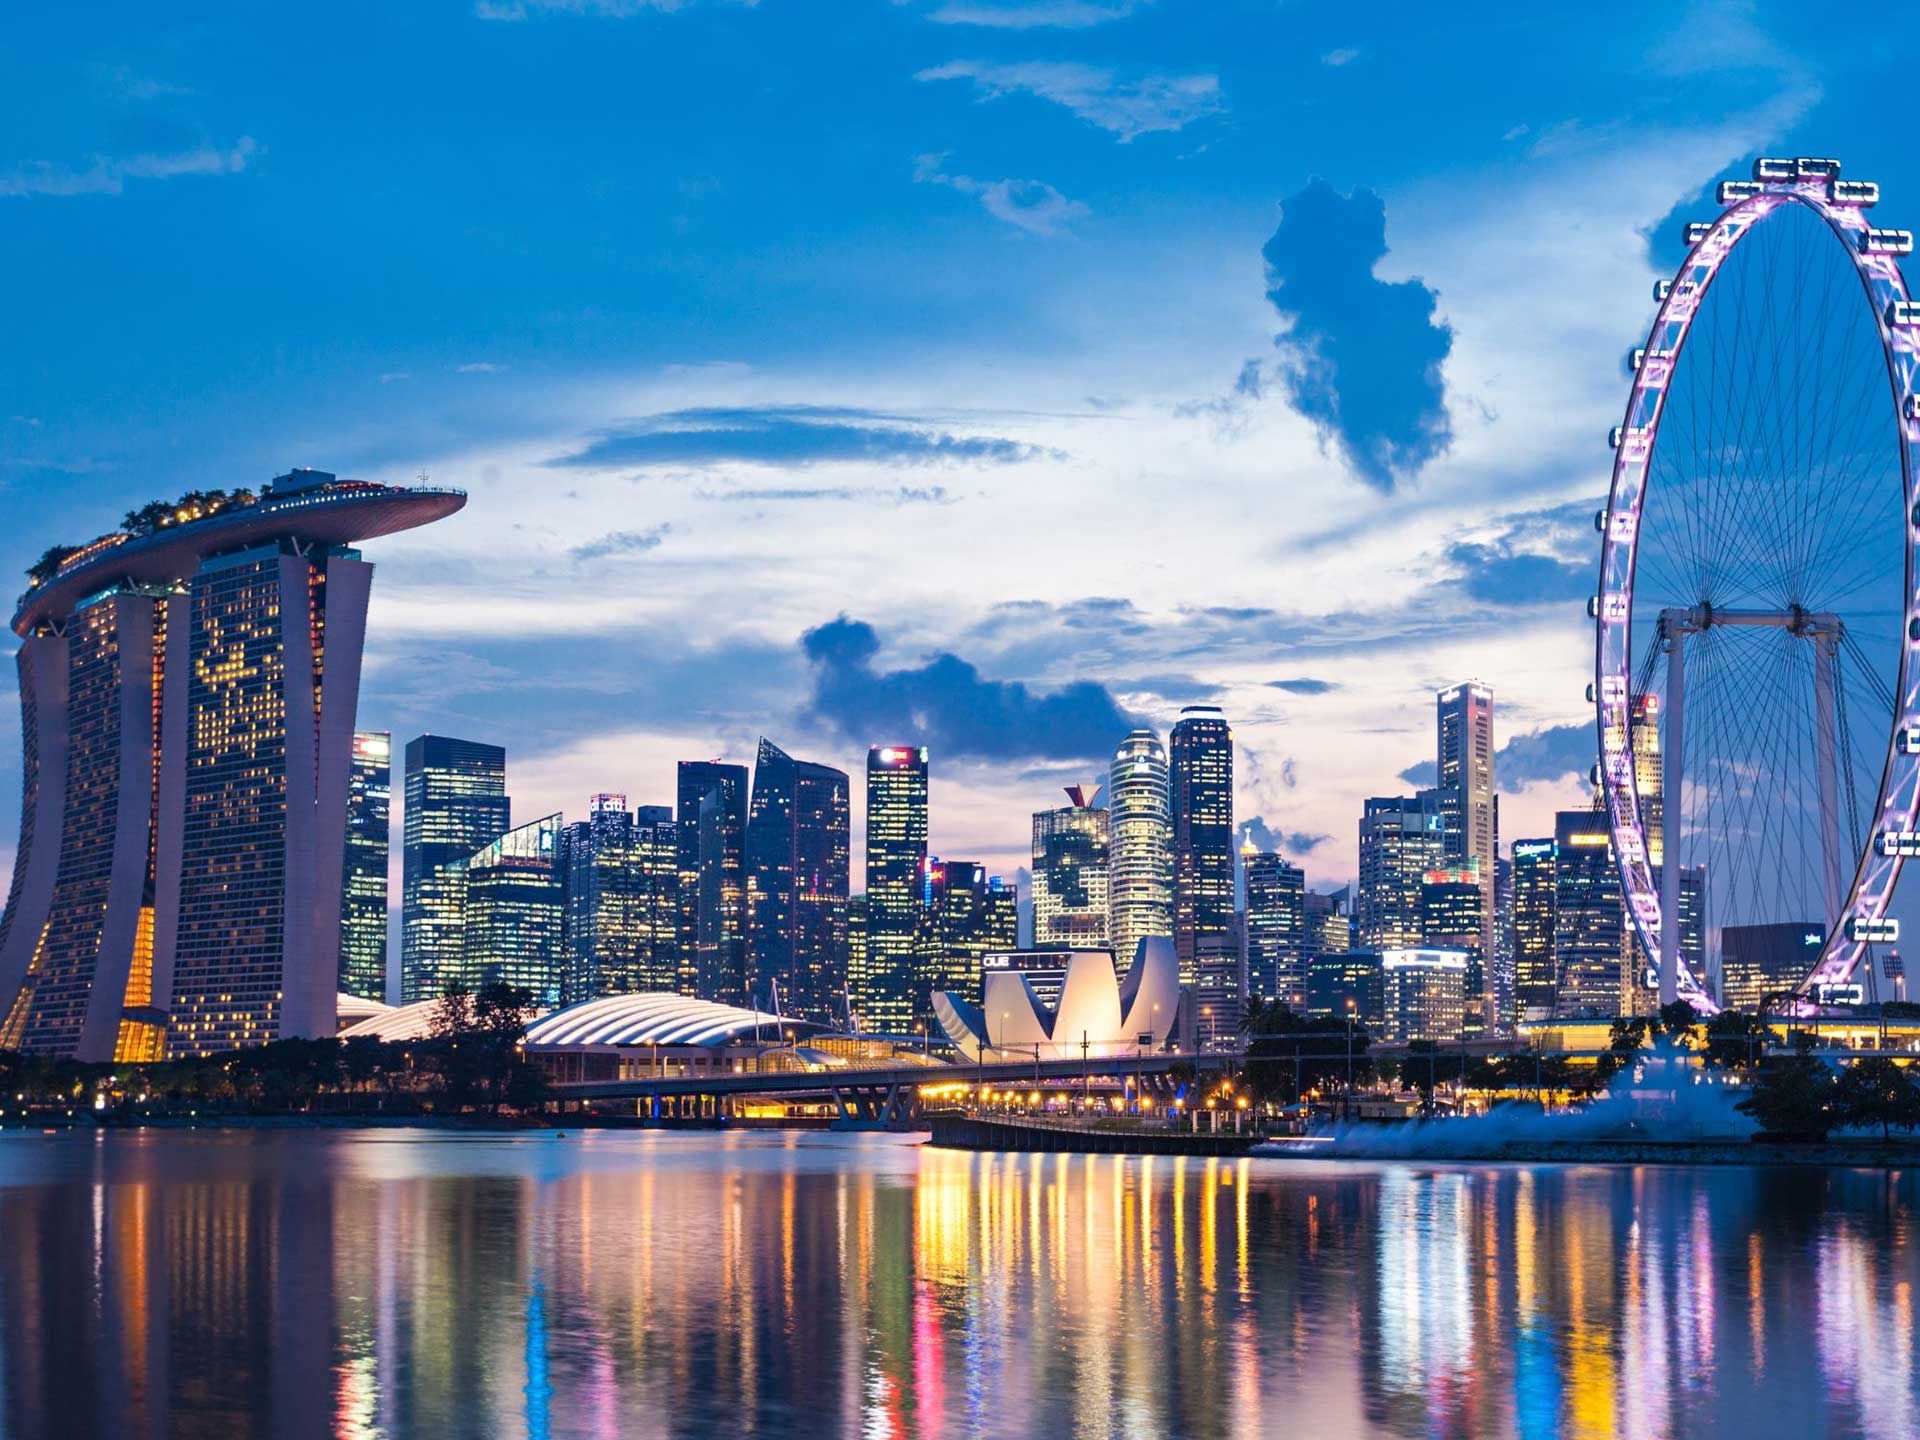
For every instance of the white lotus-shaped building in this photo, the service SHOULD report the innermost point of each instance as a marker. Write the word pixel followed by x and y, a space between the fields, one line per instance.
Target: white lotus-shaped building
pixel 1098 1014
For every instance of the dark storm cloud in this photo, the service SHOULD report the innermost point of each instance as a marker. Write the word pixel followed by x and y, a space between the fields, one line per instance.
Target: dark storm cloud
pixel 1539 557
pixel 946 704
pixel 1271 838
pixel 1363 355
pixel 789 436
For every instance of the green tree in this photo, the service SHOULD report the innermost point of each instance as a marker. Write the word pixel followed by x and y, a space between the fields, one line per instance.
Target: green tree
pixel 1877 1091
pixel 1289 1054
pixel 1793 1096
pixel 1735 1040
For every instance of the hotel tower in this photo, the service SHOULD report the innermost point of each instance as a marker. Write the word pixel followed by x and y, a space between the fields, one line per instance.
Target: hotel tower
pixel 187 689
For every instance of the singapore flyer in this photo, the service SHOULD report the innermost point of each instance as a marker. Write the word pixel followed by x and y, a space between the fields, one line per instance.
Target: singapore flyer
pixel 1755 622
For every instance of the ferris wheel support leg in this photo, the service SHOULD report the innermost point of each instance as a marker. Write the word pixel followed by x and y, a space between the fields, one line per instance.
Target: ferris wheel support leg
pixel 1826 659
pixel 1673 805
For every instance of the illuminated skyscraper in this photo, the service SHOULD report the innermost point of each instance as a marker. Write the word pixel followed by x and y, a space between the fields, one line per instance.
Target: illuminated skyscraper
pixel 455 802
pixel 891 1000
pixel 1533 897
pixel 1071 853
pixel 363 891
pixel 1140 853
pixel 1329 921
pixel 187 690
pixel 622 877
pixel 1590 946
pixel 513 922
pixel 1276 927
pixel 1200 801
pixel 1401 839
pixel 1452 919
pixel 1464 732
pixel 1649 778
pixel 711 832
pixel 962 913
pixel 796 868
pixel 1424 994
pixel 1761 960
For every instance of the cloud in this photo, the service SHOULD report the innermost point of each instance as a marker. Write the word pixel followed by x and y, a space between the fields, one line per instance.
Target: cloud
pixel 1127 108
pixel 1030 205
pixel 1363 354
pixel 1304 685
pixel 1550 754
pixel 946 705
pixel 1543 755
pixel 1536 558
pixel 603 9
pixel 870 494
pixel 621 542
pixel 1035 14
pixel 786 436
pixel 390 377
pixel 1345 55
pixel 1274 839
pixel 108 175
pixel 480 367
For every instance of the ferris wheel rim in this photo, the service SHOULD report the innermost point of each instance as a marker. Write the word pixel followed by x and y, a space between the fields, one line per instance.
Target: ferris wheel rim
pixel 1876 870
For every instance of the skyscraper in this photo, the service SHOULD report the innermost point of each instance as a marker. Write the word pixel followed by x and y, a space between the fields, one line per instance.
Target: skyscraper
pixel 1761 960
pixel 1140 852
pixel 1464 734
pixel 511 931
pixel 797 860
pixel 962 913
pixel 1401 839
pixel 1533 895
pixel 1452 918
pixel 896 858
pixel 1071 853
pixel 1200 801
pixel 1590 945
pixel 455 802
pixel 711 833
pixel 1329 921
pixel 1276 927
pixel 187 690
pixel 622 878
pixel 363 889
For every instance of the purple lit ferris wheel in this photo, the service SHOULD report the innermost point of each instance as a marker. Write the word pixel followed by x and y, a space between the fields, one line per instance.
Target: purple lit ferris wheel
pixel 1758 711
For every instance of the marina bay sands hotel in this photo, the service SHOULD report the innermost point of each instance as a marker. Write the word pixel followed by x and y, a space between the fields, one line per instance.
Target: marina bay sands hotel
pixel 188 687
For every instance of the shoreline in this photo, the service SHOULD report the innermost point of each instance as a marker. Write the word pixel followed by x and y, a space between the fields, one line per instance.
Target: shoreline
pixel 1841 1154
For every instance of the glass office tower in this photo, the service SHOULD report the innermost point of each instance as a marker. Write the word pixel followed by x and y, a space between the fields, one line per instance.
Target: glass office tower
pixel 455 803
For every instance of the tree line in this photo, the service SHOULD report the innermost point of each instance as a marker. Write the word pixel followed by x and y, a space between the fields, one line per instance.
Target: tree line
pixel 471 1061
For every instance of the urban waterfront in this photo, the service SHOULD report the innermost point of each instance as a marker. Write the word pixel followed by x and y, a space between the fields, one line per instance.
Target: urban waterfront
pixel 382 1282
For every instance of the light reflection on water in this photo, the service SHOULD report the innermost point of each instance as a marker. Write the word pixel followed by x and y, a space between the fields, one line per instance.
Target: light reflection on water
pixel 411 1283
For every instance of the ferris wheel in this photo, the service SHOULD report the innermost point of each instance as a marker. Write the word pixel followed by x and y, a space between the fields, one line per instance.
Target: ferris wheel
pixel 1755 627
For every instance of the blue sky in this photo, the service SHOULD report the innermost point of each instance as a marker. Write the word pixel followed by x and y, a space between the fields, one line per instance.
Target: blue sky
pixel 1004 370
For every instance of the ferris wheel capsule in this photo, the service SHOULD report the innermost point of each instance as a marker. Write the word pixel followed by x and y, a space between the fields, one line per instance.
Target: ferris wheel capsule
pixel 1735 190
pixel 1808 167
pixel 1858 193
pixel 1771 168
pixel 1887 242
pixel 1694 231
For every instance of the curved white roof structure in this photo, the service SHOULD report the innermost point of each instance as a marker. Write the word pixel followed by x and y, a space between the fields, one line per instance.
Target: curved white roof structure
pixel 659 1018
pixel 404 1022
pixel 352 1009
pixel 1096 1009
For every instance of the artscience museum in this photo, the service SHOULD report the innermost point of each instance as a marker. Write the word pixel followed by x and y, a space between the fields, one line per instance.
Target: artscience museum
pixel 1096 1014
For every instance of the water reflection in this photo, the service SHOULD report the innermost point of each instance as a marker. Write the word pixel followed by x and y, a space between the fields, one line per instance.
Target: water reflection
pixel 385 1284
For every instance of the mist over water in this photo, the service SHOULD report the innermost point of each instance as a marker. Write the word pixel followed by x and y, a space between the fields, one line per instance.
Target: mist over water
pixel 388 1283
pixel 1660 1097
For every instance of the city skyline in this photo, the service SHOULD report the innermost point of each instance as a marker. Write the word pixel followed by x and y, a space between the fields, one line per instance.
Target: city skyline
pixel 701 481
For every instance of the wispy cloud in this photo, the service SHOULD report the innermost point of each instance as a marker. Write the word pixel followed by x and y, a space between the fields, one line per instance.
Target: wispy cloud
pixel 621 542
pixel 1304 685
pixel 1344 55
pixel 788 436
pixel 1127 107
pixel 604 9
pixel 109 174
pixel 1035 14
pixel 1030 205
pixel 870 494
pixel 481 367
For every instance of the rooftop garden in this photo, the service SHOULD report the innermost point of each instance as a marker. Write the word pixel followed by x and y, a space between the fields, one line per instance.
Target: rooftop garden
pixel 147 520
